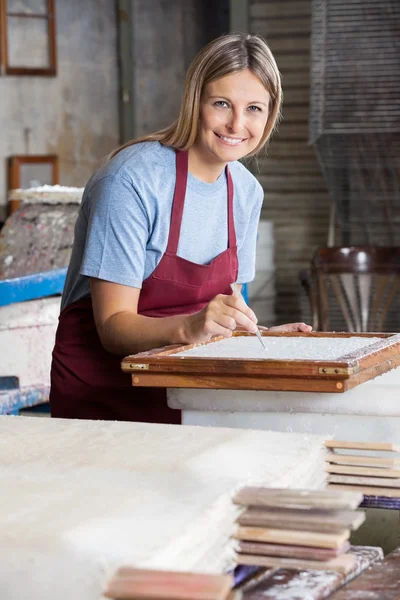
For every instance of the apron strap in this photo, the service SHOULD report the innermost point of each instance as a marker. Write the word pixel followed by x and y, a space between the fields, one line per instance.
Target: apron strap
pixel 182 161
pixel 231 222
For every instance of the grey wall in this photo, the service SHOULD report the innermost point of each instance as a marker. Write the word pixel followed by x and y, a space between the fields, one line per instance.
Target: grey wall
pixel 167 34
pixel 296 197
pixel 74 114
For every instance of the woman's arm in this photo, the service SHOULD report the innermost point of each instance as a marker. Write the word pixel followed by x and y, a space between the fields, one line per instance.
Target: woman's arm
pixel 122 331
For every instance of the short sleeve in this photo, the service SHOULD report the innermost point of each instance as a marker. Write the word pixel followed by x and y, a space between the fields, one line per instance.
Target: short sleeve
pixel 247 251
pixel 117 233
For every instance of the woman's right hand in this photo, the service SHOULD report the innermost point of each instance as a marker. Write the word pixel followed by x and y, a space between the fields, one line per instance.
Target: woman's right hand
pixel 221 316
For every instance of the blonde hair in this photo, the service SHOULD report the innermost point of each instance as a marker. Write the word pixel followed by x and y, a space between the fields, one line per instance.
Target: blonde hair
pixel 223 56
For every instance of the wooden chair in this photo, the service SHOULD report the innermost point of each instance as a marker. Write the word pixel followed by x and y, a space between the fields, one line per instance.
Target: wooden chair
pixel 355 284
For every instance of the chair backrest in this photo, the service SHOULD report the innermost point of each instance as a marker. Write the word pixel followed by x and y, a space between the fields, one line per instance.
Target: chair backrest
pixel 361 280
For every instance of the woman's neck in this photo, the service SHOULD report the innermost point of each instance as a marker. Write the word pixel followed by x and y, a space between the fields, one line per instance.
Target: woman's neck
pixel 204 168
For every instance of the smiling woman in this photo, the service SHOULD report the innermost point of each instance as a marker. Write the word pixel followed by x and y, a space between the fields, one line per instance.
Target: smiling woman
pixel 165 226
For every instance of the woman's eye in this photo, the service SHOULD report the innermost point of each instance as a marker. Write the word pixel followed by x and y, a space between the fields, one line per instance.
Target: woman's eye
pixel 221 103
pixel 254 108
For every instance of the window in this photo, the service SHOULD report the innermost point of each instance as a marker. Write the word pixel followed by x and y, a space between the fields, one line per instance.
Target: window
pixel 27 37
pixel 25 171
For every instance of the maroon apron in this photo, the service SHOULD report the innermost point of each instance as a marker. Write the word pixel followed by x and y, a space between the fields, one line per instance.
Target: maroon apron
pixel 86 380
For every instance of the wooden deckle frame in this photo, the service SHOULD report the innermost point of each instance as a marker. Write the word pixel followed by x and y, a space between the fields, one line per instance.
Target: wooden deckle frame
pixel 158 368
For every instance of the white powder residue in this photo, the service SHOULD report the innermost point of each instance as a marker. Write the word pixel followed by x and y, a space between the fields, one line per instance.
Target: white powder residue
pixel 291 348
pixel 87 497
pixel 306 585
pixel 47 194
pixel 50 188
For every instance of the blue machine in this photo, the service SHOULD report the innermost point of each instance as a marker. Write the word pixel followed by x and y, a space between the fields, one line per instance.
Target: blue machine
pixel 13 398
pixel 31 287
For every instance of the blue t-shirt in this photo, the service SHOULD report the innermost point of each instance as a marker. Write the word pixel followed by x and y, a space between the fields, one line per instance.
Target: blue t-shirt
pixel 122 229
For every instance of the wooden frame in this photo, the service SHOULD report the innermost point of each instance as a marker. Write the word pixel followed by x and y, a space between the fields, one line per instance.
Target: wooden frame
pixel 49 16
pixel 157 368
pixel 15 164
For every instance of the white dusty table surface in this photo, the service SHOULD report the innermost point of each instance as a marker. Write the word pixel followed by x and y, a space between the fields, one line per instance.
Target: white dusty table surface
pixel 79 499
pixel 301 348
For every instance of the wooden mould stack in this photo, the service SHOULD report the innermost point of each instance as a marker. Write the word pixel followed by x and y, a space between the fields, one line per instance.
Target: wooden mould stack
pixel 372 475
pixel 296 529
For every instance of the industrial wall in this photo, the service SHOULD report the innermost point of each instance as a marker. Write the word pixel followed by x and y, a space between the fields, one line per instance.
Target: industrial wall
pixel 75 114
pixel 166 36
pixel 296 198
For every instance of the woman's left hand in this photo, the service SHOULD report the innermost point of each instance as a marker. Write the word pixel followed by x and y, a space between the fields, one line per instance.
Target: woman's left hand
pixel 288 327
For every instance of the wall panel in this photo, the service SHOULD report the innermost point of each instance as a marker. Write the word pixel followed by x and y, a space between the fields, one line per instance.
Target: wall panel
pixel 296 198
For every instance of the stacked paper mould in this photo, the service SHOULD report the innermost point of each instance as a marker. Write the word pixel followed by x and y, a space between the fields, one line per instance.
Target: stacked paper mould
pixel 261 290
pixel 296 529
pixel 361 466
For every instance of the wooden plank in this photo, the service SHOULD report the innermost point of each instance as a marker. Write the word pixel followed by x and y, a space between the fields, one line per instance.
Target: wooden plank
pixel 373 371
pixel 247 382
pixel 289 200
pixel 343 564
pixel 367 490
pixel 288 44
pixel 293 183
pixel 347 445
pixel 283 166
pixel 293 131
pixel 296 96
pixel 291 537
pixel 142 584
pixel 293 251
pixel 291 243
pixel 315 520
pixel 307 499
pixel 370 461
pixel 271 28
pixel 273 9
pixel 360 480
pixel 286 551
pixel 279 148
pixel 286 584
pixel 363 471
pixel 380 582
pixel 292 62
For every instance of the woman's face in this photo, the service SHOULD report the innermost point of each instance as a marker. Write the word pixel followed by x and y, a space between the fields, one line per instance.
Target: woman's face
pixel 233 116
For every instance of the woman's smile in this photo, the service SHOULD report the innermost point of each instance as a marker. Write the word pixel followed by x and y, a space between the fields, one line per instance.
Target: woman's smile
pixel 231 141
